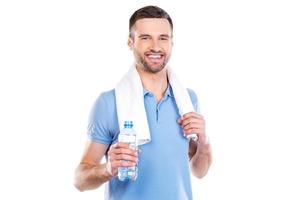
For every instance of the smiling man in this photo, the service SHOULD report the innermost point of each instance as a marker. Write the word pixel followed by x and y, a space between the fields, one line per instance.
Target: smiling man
pixel 154 59
pixel 166 161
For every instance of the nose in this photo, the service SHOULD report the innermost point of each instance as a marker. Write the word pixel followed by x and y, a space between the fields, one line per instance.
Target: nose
pixel 155 46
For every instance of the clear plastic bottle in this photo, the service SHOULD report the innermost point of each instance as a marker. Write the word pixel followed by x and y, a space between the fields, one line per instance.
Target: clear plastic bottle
pixel 128 135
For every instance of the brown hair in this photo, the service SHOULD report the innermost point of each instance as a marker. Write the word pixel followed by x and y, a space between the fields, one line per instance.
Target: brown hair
pixel 149 12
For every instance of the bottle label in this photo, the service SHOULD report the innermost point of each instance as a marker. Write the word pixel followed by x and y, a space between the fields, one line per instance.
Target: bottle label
pixel 126 138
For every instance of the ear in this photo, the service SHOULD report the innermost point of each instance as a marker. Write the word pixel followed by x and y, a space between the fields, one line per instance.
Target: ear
pixel 130 43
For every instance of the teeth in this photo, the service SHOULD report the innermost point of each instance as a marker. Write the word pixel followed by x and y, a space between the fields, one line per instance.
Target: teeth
pixel 154 56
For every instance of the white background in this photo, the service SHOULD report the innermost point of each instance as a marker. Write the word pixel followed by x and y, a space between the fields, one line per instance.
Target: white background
pixel 241 57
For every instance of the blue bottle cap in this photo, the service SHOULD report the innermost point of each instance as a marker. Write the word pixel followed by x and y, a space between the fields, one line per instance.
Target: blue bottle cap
pixel 128 124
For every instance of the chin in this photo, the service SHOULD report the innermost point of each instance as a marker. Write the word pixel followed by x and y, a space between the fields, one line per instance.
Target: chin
pixel 155 69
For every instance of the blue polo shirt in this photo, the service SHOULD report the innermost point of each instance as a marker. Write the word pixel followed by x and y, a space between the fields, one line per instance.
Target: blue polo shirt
pixel 163 163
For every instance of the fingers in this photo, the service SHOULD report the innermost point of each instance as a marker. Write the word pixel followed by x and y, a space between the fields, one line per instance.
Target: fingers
pixel 121 163
pixel 120 145
pixel 122 151
pixel 121 155
pixel 192 114
pixel 124 157
pixel 193 122
pixel 194 125
pixel 190 117
pixel 193 130
pixel 127 151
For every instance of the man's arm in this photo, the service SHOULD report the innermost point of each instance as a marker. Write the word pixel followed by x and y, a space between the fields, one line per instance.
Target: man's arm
pixel 90 174
pixel 200 158
pixel 199 151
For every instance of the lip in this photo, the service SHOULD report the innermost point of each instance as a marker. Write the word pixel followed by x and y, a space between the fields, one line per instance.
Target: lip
pixel 155 56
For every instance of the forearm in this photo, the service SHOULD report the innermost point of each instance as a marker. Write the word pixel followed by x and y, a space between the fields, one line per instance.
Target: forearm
pixel 88 176
pixel 201 160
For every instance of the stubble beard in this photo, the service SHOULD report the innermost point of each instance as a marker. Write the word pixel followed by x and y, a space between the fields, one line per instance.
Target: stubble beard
pixel 141 60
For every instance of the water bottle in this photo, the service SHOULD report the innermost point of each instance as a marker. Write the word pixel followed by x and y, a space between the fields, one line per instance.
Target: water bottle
pixel 128 135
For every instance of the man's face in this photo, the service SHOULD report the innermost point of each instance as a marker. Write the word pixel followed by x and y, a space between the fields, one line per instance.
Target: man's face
pixel 151 42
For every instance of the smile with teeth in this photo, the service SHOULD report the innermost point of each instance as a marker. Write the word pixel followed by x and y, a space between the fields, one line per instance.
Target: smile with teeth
pixel 154 56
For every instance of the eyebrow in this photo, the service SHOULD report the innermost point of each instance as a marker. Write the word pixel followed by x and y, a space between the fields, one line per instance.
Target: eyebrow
pixel 144 35
pixel 147 35
pixel 164 35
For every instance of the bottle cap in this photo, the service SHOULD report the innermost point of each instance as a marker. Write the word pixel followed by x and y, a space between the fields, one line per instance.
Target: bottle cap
pixel 128 124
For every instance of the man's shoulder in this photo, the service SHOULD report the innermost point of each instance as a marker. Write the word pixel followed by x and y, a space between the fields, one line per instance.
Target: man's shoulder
pixel 107 95
pixel 106 99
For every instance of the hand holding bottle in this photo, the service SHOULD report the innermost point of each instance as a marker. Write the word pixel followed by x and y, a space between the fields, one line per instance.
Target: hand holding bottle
pixel 121 155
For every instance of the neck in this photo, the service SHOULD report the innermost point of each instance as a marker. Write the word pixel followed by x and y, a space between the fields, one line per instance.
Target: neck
pixel 156 83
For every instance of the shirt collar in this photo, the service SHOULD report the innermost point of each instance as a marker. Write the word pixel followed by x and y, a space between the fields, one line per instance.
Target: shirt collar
pixel 169 92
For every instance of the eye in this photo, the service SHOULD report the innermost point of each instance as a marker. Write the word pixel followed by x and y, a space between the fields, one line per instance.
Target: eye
pixel 144 38
pixel 164 38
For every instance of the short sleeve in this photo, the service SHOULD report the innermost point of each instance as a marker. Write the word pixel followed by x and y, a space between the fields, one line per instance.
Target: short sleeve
pixel 194 100
pixel 98 129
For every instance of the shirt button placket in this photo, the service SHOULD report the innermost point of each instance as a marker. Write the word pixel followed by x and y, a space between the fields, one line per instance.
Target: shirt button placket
pixel 157 114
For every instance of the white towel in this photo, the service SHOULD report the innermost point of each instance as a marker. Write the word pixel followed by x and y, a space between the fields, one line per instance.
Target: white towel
pixel 130 102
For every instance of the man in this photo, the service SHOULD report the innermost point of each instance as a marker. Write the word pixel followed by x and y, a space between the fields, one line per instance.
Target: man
pixel 164 162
